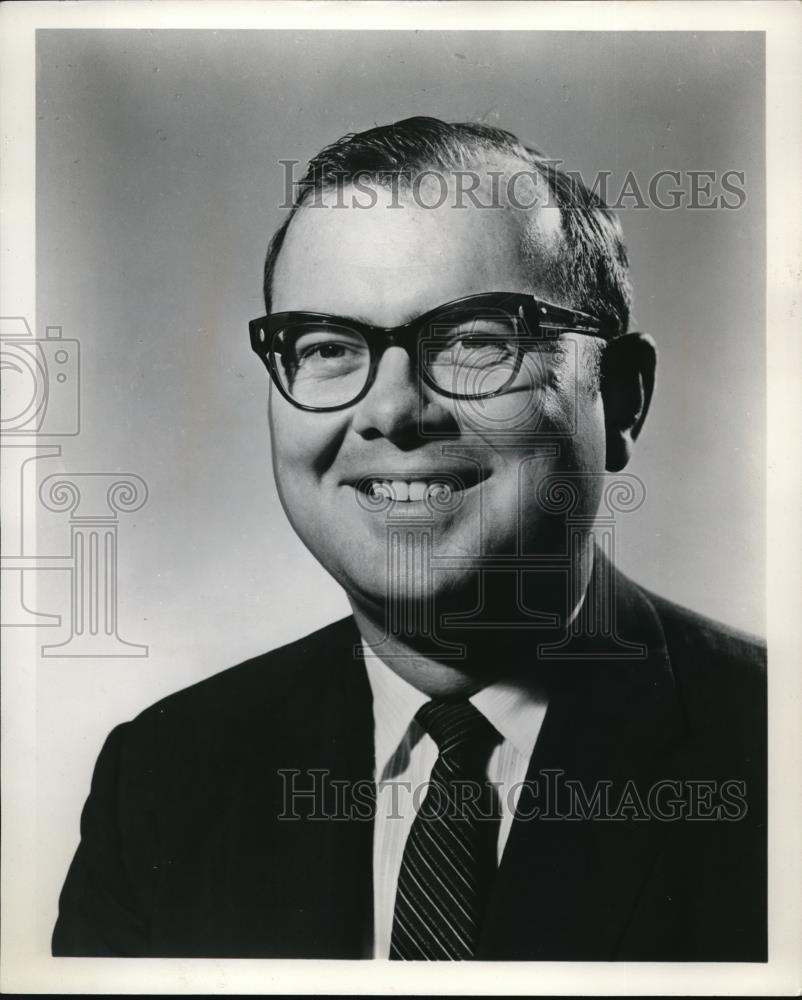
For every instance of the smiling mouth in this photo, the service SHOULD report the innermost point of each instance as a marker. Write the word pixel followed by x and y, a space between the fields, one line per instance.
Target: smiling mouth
pixel 409 491
pixel 438 488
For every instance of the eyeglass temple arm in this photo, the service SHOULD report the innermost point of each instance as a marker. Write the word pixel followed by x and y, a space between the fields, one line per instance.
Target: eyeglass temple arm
pixel 571 319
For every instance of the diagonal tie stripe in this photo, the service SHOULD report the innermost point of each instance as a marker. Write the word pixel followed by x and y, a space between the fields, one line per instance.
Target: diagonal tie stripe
pixel 449 858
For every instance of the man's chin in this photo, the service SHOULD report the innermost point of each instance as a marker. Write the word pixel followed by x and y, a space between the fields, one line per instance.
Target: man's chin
pixel 412 603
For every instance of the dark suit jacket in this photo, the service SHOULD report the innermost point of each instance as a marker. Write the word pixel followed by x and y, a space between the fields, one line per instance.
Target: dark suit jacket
pixel 182 852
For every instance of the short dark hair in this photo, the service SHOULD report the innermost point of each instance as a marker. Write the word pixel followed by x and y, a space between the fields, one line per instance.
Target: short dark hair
pixel 592 272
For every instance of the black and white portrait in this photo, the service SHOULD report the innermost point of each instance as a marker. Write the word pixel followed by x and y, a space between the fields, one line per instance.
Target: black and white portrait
pixel 387 453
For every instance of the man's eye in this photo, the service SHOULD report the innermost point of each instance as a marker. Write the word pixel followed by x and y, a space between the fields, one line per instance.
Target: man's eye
pixel 324 351
pixel 488 349
pixel 478 336
pixel 324 356
pixel 472 343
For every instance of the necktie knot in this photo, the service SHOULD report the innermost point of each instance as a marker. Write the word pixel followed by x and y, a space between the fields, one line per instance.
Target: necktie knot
pixel 460 731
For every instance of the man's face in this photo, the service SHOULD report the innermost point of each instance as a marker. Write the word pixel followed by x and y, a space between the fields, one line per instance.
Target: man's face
pixel 385 266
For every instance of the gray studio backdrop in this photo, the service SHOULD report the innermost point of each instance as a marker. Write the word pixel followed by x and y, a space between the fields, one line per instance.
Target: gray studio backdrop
pixel 158 186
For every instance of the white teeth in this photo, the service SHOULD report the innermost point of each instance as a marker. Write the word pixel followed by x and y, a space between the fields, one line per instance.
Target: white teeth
pixel 400 490
pixel 414 491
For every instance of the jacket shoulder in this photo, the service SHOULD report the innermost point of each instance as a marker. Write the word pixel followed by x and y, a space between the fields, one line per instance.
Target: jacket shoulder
pixel 695 636
pixel 720 677
pixel 265 680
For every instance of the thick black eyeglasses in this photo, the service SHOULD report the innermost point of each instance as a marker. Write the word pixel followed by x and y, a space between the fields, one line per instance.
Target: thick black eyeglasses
pixel 471 348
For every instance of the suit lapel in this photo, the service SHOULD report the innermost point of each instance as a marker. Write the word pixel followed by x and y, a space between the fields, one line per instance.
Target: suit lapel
pixel 309 891
pixel 566 888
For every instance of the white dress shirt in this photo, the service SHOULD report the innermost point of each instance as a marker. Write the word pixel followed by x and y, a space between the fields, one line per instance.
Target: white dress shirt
pixel 406 754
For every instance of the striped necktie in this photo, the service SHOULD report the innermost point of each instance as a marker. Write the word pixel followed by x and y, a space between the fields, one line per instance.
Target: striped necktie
pixel 450 855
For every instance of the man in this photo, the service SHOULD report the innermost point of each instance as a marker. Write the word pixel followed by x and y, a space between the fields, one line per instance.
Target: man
pixel 510 751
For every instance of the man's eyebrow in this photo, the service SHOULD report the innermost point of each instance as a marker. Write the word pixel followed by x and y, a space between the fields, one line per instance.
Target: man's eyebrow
pixel 325 312
pixel 362 319
pixel 457 305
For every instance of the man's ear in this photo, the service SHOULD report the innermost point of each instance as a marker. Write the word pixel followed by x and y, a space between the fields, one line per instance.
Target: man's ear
pixel 627 383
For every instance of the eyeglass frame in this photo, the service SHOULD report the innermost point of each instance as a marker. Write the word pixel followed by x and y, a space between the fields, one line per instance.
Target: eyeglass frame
pixel 539 318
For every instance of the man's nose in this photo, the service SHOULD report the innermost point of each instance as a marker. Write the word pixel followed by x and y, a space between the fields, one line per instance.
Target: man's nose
pixel 397 406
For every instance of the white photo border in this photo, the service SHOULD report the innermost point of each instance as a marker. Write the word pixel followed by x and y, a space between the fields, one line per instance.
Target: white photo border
pixel 25 966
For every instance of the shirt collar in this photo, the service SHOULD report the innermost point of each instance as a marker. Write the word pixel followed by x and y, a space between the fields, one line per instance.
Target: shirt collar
pixel 395 702
pixel 515 707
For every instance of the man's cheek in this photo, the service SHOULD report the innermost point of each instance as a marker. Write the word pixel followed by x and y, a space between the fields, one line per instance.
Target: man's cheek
pixel 295 447
pixel 500 419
